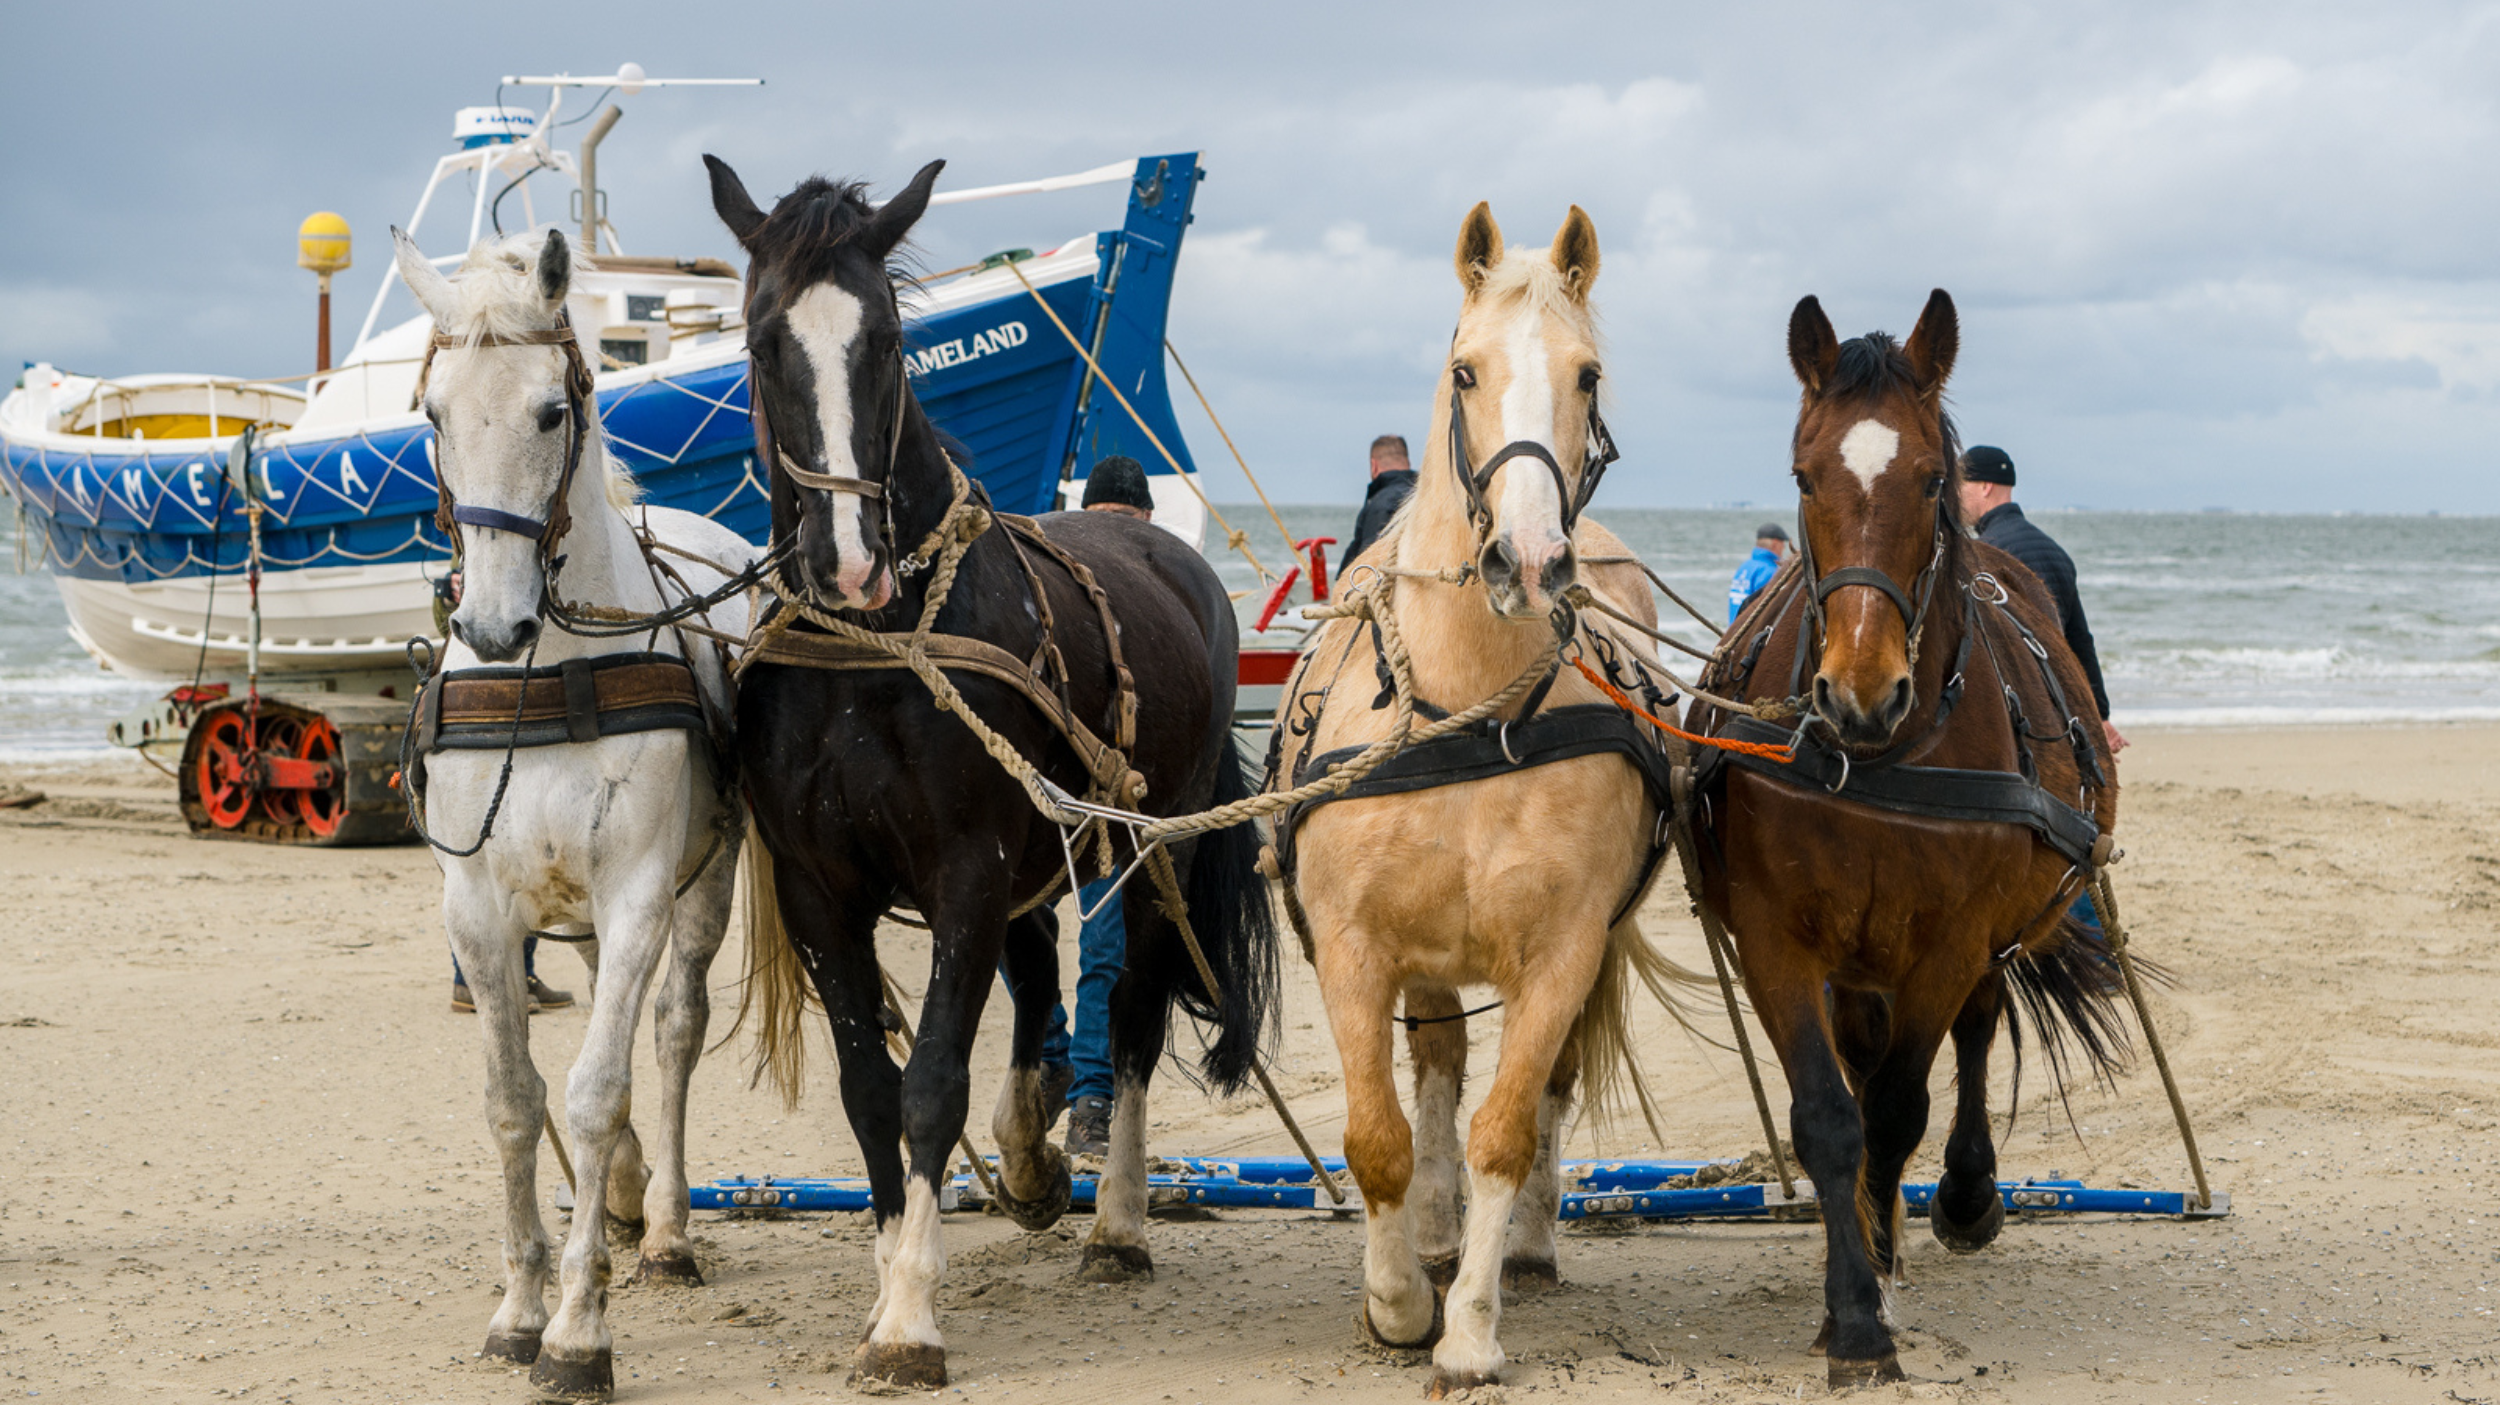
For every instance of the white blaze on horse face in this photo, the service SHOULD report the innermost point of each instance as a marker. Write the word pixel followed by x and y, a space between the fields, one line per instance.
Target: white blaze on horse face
pixel 1868 449
pixel 1528 501
pixel 826 320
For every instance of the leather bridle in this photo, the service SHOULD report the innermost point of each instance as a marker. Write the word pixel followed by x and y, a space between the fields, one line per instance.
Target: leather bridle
pixel 548 531
pixel 1596 454
pixel 873 489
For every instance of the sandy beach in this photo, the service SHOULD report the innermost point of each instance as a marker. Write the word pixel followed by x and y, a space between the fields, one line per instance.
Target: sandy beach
pixel 244 1154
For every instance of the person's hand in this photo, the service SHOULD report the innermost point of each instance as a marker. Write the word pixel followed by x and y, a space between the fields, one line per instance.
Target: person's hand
pixel 2117 739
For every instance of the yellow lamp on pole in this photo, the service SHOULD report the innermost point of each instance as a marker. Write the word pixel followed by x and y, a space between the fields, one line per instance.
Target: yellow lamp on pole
pixel 322 244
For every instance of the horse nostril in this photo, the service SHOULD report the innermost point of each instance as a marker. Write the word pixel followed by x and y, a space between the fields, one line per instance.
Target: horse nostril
pixel 1823 697
pixel 1898 705
pixel 1499 565
pixel 1560 571
pixel 524 633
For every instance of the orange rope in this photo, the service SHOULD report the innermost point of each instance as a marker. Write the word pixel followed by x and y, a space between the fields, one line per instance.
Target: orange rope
pixel 1782 753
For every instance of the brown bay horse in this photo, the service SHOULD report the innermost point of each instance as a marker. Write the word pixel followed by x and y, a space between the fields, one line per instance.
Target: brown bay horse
pixel 1908 876
pixel 1491 869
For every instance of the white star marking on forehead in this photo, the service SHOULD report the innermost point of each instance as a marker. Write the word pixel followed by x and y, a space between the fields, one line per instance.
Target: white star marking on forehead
pixel 1867 450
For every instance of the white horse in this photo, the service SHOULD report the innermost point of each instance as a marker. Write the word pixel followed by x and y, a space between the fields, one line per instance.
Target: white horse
pixel 630 834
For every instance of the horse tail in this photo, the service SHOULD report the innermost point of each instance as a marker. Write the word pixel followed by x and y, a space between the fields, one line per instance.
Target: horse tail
pixel 2072 992
pixel 1609 1060
pixel 1235 920
pixel 775 988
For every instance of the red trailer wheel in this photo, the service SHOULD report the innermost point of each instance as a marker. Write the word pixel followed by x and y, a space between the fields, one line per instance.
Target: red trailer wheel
pixel 225 792
pixel 281 736
pixel 321 810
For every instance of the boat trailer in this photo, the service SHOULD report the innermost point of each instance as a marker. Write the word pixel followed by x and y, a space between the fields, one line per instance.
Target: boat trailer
pixel 1642 1190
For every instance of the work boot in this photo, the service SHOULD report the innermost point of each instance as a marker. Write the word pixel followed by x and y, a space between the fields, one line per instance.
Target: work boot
pixel 546 997
pixel 1089 1126
pixel 1057 1079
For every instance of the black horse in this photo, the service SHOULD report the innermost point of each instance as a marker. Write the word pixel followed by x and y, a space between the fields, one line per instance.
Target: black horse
pixel 869 797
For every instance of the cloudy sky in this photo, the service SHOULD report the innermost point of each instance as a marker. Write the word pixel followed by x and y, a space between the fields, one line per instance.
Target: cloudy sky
pixel 2240 255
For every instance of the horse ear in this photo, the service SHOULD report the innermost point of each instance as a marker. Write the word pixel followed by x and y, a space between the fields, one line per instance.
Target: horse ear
pixel 1479 247
pixel 1813 349
pixel 426 283
pixel 1575 252
pixel 730 200
pixel 554 276
pixel 1935 342
pixel 894 219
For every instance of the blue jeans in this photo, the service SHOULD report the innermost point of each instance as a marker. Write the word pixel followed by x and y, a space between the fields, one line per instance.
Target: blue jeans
pixel 1102 953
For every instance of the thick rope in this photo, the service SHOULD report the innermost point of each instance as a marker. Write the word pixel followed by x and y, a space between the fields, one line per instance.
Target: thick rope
pixel 1235 538
pixel 1168 882
pixel 1272 514
pixel 2106 903
pixel 1782 752
pixel 1723 960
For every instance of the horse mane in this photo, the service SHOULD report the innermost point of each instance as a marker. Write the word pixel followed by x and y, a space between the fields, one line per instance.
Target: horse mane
pixel 496 292
pixel 1529 277
pixel 1874 367
pixel 808 227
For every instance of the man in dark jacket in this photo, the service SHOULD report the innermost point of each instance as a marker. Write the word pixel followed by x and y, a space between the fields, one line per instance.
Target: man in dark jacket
pixel 1988 506
pixel 1393 480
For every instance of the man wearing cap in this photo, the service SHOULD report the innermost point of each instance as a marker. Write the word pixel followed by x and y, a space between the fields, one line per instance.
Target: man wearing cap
pixel 1988 510
pixel 1078 1068
pixel 1770 543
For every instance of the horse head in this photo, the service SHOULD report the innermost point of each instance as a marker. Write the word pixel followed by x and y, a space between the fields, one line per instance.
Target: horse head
pixel 1521 401
pixel 825 348
pixel 511 410
pixel 1874 457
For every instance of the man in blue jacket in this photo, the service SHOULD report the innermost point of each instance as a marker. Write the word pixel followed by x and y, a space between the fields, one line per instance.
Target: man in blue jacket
pixel 1770 543
pixel 1988 510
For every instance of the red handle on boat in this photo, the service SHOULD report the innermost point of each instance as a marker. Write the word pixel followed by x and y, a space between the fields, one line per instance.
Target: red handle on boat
pixel 1319 563
pixel 1276 598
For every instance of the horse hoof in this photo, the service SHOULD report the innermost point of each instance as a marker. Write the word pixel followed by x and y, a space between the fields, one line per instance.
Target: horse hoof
pixel 1430 1339
pixel 1448 1383
pixel 669 1269
pixel 1525 1275
pixel 1822 1339
pixel 591 1377
pixel 1044 1210
pixel 625 1234
pixel 1115 1263
pixel 521 1347
pixel 1967 1238
pixel 1848 1375
pixel 1442 1269
pixel 909 1365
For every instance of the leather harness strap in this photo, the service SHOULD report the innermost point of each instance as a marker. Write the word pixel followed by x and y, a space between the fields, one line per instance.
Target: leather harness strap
pixel 1491 749
pixel 1930 792
pixel 579 700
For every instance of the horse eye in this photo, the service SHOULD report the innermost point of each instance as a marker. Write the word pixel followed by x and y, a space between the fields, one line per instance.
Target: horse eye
pixel 1588 380
pixel 550 415
pixel 1935 485
pixel 1462 377
pixel 1805 489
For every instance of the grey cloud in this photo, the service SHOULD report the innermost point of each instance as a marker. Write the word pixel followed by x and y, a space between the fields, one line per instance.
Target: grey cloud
pixel 2206 253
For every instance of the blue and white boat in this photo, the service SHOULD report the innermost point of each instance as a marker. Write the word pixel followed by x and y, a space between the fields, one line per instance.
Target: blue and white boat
pixel 123 479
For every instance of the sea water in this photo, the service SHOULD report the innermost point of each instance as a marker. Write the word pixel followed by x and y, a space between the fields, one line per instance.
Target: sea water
pixel 2202 619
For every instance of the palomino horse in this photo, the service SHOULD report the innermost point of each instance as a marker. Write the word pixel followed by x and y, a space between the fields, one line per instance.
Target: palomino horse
pixel 1523 877
pixel 630 831
pixel 868 795
pixel 1913 865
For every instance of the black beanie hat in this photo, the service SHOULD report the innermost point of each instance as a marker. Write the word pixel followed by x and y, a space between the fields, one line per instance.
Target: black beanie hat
pixel 1986 463
pixel 1117 478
